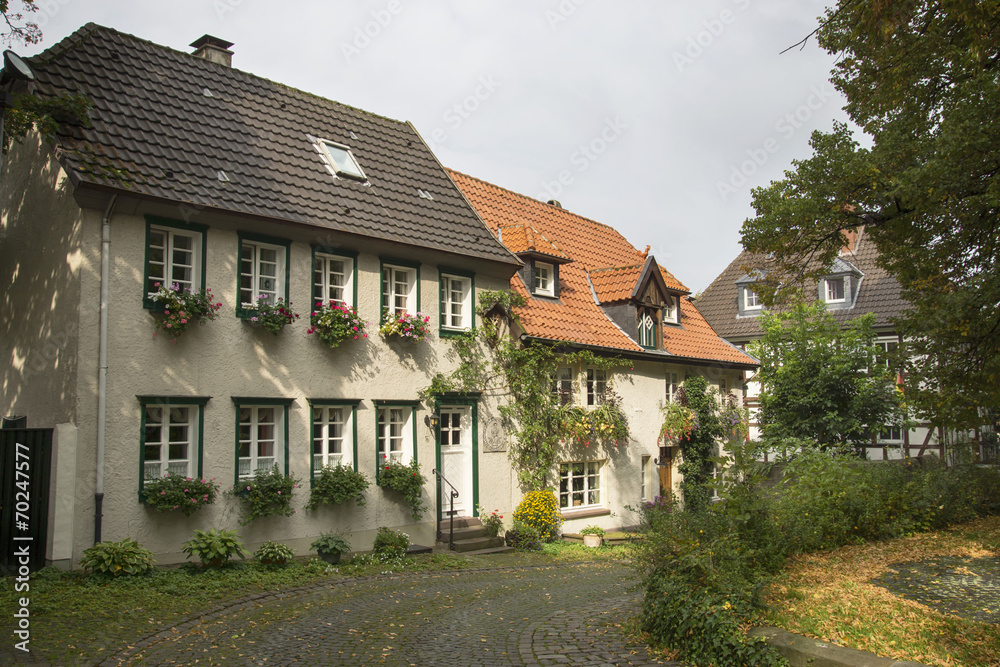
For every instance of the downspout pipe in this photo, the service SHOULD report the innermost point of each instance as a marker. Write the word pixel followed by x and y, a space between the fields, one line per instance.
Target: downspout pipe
pixel 102 366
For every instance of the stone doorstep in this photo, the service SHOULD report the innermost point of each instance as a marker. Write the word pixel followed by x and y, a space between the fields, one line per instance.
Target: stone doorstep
pixel 807 652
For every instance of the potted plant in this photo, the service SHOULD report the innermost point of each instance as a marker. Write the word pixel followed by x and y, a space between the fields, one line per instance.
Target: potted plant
pixel 330 547
pixel 405 326
pixel 272 315
pixel 335 323
pixel 592 536
pixel 182 307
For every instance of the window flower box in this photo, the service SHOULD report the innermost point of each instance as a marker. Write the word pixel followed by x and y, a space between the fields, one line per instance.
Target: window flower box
pixel 334 323
pixel 405 326
pixel 181 308
pixel 270 314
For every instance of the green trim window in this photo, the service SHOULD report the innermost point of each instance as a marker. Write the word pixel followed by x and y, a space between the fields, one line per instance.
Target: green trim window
pixel 647 330
pixel 171 436
pixel 263 271
pixel 334 277
pixel 456 304
pixel 396 429
pixel 334 439
pixel 400 288
pixel 580 485
pixel 597 386
pixel 175 255
pixel 261 435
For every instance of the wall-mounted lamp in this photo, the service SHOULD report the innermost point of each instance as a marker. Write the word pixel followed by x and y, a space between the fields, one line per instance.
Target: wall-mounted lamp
pixel 432 421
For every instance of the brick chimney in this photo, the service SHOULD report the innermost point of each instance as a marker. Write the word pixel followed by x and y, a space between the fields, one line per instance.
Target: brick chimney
pixel 213 49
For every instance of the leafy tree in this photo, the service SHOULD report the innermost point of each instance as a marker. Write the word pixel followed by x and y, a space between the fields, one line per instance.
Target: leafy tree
pixel 922 78
pixel 822 383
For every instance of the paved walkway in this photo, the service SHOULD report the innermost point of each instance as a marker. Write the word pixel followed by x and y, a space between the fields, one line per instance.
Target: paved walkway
pixel 559 615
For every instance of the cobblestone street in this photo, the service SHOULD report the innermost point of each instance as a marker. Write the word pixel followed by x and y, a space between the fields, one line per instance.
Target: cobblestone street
pixel 565 615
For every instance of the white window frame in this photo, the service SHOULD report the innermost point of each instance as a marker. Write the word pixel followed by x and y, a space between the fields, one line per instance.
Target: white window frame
pixel 342 167
pixel 883 344
pixel 168 439
pixel 562 385
pixel 254 460
pixel 391 292
pixel 673 384
pixel 449 302
pixel 255 275
pixel 170 236
pixel 597 386
pixel 828 291
pixel 590 474
pixel 887 434
pixel 323 287
pixel 332 427
pixel 545 284
pixel 751 300
pixel 394 434
pixel 671 311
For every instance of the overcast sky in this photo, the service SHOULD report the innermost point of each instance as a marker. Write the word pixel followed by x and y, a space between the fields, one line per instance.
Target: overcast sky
pixel 654 117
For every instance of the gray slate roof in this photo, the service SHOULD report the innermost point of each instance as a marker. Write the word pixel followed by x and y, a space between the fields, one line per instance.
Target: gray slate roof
pixel 165 123
pixel 878 293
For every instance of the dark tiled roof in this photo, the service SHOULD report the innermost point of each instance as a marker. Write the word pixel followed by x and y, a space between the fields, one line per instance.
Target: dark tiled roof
pixel 592 246
pixel 878 293
pixel 166 123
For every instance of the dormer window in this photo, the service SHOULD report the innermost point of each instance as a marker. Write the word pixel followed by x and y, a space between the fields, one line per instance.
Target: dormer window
pixel 647 330
pixel 342 161
pixel 544 279
pixel 834 290
pixel 671 310
pixel 751 300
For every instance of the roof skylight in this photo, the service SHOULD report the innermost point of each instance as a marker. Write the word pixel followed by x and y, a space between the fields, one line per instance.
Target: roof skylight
pixel 343 161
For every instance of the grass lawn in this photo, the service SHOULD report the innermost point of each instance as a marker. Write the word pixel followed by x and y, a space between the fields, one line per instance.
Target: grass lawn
pixel 77 619
pixel 828 596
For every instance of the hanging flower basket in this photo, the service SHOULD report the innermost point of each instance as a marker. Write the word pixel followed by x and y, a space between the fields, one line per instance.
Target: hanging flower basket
pixel 405 326
pixel 182 308
pixel 271 314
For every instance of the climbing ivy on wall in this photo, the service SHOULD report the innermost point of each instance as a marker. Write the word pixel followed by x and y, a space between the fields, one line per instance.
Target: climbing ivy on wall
pixel 521 377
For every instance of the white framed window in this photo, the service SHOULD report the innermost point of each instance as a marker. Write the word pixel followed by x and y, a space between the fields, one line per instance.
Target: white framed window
pixel 834 290
pixel 544 279
pixel 887 350
pixel 333 279
pixel 562 385
pixel 170 441
pixel 175 256
pixel 751 300
pixel 672 385
pixel 580 485
pixel 671 310
pixel 399 290
pixel 342 160
pixel 262 271
pixel 332 436
pixel 646 484
pixel 395 433
pixel 647 330
pixel 597 386
pixel 723 390
pixel 456 302
pixel 261 442
pixel 891 435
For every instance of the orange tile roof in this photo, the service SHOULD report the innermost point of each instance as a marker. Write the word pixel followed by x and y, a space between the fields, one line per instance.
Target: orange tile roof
pixel 615 284
pixel 593 247
pixel 525 238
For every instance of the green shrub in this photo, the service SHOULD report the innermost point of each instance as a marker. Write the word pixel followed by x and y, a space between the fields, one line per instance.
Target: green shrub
pixel 390 544
pixel 329 543
pixel 117 559
pixel 214 548
pixel 540 510
pixel 268 493
pixel 593 530
pixel 406 480
pixel 175 492
pixel 523 537
pixel 336 485
pixel 274 553
pixel 492 522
